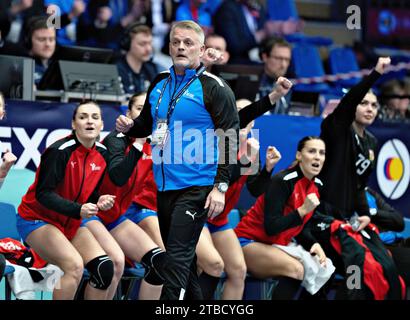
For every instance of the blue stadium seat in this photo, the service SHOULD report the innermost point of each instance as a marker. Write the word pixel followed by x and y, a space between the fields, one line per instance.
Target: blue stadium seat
pixel 406 232
pixel 306 63
pixel 343 60
pixel 134 276
pixel 258 289
pixel 283 10
pixel 8 227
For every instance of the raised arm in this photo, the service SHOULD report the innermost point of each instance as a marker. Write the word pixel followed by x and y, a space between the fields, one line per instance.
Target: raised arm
pixel 258 108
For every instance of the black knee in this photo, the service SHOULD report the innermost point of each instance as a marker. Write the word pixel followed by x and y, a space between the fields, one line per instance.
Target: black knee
pixel 153 261
pixel 101 271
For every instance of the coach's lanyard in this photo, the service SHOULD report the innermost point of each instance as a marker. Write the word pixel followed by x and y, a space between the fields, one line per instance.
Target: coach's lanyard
pixel 175 100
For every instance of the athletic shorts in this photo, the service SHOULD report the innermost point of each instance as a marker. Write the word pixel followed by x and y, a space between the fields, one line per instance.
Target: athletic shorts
pixel 109 226
pixel 25 227
pixel 245 241
pixel 213 228
pixel 136 213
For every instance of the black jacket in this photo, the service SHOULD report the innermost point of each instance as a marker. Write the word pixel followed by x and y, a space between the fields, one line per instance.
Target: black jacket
pixel 344 186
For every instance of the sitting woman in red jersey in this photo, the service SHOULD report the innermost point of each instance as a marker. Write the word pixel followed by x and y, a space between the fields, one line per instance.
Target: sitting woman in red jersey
pixel 268 231
pixel 115 229
pixel 63 193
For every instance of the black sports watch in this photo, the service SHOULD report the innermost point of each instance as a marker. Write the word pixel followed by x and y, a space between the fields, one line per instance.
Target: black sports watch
pixel 222 187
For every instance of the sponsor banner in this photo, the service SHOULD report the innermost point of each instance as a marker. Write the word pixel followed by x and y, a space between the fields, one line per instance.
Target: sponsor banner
pixel 30 127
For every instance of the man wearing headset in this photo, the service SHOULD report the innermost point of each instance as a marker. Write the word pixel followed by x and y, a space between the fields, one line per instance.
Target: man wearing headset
pixel 136 68
pixel 40 42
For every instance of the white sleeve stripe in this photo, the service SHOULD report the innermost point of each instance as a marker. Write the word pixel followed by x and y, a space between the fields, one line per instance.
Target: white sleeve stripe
pixel 318 181
pixel 291 175
pixel 67 144
pixel 214 77
pixel 101 145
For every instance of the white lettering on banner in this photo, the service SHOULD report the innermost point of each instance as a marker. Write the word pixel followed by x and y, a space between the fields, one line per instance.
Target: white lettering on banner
pixel 30 146
pixel 5 132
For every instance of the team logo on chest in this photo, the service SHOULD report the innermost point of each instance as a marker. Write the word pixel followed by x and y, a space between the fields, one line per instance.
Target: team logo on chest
pixel 94 167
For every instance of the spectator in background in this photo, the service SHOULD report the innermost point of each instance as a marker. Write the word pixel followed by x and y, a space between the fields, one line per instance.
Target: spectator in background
pixel 10 9
pixel 100 25
pixel 242 24
pixel 395 101
pixel 18 13
pixel 104 20
pixel 276 55
pixel 162 14
pixel 140 11
pixel 283 17
pixel 195 10
pixel 213 5
pixel 7 47
pixel 40 41
pixel 218 42
pixel 7 158
pixel 136 68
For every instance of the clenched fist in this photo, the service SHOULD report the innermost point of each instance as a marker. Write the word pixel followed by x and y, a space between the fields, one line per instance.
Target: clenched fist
pixel 272 158
pixel 310 204
pixel 123 124
pixel 105 202
pixel 280 89
pixel 8 160
pixel 88 210
pixel 382 64
pixel 212 56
